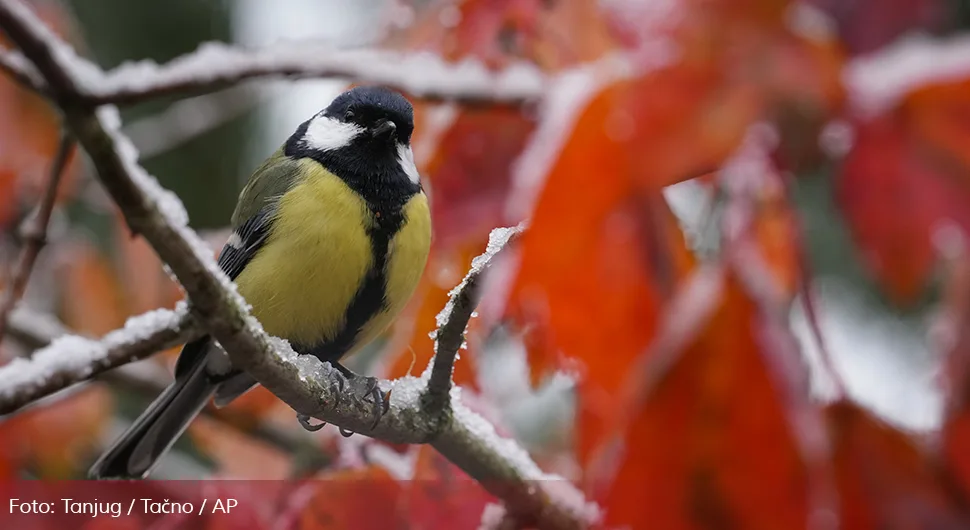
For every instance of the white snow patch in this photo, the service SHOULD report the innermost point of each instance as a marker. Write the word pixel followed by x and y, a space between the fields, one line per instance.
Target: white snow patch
pixel 877 81
pixel 493 515
pixel 560 491
pixel 75 357
pixel 885 366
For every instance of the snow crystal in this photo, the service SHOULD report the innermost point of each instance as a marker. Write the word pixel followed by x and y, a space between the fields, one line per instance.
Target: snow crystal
pixel 498 238
pixel 309 368
pixel 877 81
pixel 76 357
pixel 483 430
pixel 406 391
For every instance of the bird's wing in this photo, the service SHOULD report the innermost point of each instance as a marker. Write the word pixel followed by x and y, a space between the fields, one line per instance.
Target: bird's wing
pixel 245 242
pixel 251 226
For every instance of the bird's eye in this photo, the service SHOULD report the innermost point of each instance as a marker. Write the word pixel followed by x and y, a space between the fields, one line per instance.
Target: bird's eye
pixel 349 115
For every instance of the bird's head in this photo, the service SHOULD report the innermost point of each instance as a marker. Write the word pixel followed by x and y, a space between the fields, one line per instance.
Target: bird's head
pixel 366 125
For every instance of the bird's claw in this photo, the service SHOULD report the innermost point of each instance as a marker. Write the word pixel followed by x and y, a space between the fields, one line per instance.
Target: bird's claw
pixel 305 423
pixel 371 392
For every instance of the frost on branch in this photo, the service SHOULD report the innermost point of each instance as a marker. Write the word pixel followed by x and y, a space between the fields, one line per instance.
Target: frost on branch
pixel 72 359
pixel 878 81
pixel 215 65
pixel 449 336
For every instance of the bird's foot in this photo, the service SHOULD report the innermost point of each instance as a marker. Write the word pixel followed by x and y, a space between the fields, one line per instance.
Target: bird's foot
pixel 305 423
pixel 370 390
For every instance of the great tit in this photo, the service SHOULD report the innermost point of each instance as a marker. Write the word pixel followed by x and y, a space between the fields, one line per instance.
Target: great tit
pixel 330 237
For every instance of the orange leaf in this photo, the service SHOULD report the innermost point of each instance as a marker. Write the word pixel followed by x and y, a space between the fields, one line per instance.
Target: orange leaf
pixel 351 499
pixel 884 480
pixel 681 121
pixel 92 299
pixel 939 119
pixel 598 258
pixel 146 285
pixel 58 439
pixel 29 133
pixel 711 447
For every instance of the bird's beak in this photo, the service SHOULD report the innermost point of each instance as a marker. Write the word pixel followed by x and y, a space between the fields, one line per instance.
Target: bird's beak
pixel 384 129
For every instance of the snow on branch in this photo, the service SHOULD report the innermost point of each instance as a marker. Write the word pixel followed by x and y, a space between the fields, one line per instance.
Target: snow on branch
pixel 15 65
pixel 878 81
pixel 216 65
pixel 72 359
pixel 306 384
pixel 453 319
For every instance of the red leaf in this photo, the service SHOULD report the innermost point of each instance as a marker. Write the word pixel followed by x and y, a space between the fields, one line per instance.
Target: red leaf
pixel 354 499
pixel 711 447
pixel 867 25
pixel 895 199
pixel 441 496
pixel 552 34
pixel 884 480
pixel 470 172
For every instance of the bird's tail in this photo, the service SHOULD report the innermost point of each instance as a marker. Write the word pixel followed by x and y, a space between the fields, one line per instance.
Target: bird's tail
pixel 135 454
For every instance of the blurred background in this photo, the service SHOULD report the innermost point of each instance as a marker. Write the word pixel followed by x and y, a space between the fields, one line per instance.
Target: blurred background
pixel 793 86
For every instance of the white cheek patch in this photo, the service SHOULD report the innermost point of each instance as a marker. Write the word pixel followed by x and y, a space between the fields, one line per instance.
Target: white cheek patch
pixel 405 157
pixel 328 134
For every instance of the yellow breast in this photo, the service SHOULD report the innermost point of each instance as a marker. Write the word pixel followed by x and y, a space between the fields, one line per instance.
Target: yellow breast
pixel 317 256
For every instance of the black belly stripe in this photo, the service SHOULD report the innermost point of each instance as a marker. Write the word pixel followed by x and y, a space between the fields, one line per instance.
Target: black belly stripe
pixel 371 298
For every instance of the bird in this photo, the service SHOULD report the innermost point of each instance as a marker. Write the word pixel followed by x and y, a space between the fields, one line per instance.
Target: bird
pixel 331 235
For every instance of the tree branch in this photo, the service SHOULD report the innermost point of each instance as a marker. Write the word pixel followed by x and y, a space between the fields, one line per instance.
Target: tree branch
pixel 453 319
pixel 35 233
pixel 307 385
pixel 72 359
pixel 38 330
pixel 15 65
pixel 215 65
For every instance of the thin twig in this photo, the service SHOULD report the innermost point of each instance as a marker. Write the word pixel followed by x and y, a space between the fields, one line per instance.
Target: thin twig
pixel 35 233
pixel 453 319
pixel 191 117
